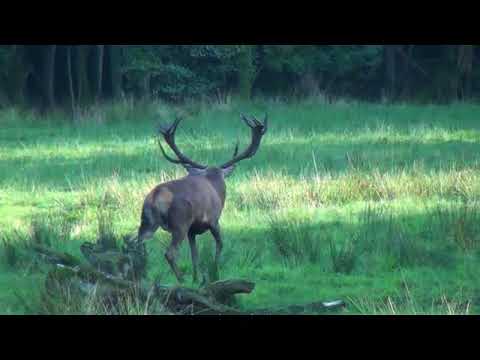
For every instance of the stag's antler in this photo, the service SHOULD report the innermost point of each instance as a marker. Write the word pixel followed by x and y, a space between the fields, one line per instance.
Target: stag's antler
pixel 168 133
pixel 258 130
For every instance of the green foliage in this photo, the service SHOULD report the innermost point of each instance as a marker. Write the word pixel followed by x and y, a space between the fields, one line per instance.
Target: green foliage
pixel 180 73
pixel 183 72
pixel 336 69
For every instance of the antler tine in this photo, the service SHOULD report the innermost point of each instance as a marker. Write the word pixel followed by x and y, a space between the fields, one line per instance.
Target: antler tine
pixel 248 121
pixel 166 130
pixel 265 124
pixel 161 129
pixel 175 124
pixel 257 130
pixel 235 153
pixel 253 122
pixel 172 160
pixel 168 133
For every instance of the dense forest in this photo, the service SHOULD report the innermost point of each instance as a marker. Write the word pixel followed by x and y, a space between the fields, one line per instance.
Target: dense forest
pixel 49 76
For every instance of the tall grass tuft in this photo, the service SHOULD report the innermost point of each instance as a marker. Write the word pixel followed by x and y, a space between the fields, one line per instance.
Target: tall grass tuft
pixel 461 224
pixel 294 238
pixel 406 305
pixel 10 253
pixel 106 235
pixel 343 257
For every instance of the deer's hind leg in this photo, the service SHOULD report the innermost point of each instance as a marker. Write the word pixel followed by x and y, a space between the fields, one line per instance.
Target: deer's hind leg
pixel 215 230
pixel 172 252
pixel 148 226
pixel 179 221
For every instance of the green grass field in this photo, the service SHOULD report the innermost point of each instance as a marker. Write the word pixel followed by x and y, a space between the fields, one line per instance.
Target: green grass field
pixel 373 204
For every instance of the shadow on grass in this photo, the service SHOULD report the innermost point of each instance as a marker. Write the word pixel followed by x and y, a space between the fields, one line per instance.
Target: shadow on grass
pixel 378 244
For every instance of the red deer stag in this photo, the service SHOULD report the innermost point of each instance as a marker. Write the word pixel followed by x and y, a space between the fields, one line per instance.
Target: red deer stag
pixel 192 205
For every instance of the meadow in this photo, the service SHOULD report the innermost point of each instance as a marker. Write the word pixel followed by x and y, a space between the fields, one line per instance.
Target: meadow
pixel 374 204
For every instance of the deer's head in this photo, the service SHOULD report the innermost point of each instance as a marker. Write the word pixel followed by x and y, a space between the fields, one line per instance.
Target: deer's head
pixel 258 129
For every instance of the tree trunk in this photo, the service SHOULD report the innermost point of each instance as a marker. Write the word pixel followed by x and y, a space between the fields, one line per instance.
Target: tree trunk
pixel 144 86
pixel 70 81
pixel 18 71
pixel 390 71
pixel 246 72
pixel 48 78
pixel 407 72
pixel 99 71
pixel 3 94
pixel 465 67
pixel 453 73
pixel 114 67
pixel 81 71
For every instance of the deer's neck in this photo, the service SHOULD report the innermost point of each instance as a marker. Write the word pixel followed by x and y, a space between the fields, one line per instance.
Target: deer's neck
pixel 218 184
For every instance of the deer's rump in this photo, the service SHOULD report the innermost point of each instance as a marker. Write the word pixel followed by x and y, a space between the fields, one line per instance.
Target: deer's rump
pixel 191 205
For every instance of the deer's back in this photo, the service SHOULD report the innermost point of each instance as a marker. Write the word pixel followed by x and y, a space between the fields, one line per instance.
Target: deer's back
pixel 191 200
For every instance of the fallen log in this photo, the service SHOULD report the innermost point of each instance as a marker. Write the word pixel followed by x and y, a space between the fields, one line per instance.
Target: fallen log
pixel 55 257
pixel 211 299
pixel 224 291
pixel 312 308
pixel 101 276
pixel 112 274
pixel 73 276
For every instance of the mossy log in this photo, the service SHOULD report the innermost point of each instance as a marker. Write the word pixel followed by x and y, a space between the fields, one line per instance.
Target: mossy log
pixel 211 299
pixel 72 275
pixel 55 257
pixel 312 308
pixel 103 276
pixel 223 291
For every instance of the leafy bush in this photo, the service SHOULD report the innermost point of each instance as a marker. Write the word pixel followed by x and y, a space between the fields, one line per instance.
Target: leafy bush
pixel 181 72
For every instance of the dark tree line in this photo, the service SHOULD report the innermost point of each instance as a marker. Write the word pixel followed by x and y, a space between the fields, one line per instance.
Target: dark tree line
pixel 49 76
pixel 46 76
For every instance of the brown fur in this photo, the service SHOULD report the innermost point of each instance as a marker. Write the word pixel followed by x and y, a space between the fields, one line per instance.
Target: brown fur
pixel 186 208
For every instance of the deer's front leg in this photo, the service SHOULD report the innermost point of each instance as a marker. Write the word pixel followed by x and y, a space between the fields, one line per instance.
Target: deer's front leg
pixel 194 252
pixel 172 253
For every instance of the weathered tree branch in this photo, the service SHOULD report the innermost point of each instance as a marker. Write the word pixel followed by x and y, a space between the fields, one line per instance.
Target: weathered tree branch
pixel 109 286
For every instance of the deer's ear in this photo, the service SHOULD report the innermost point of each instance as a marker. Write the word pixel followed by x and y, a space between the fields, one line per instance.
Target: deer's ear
pixel 228 171
pixel 194 171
